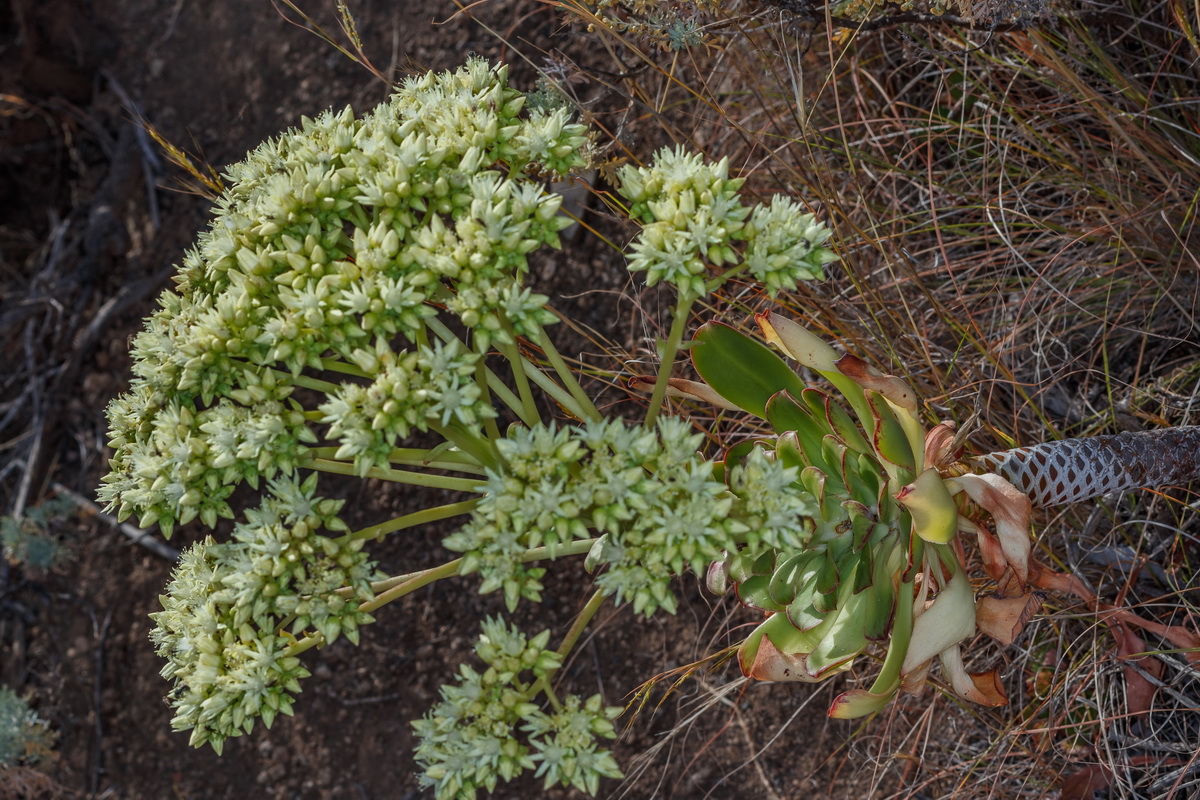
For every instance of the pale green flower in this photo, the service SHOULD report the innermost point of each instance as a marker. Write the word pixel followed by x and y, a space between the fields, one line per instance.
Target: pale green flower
pixel 785 245
pixel 485 729
pixel 331 242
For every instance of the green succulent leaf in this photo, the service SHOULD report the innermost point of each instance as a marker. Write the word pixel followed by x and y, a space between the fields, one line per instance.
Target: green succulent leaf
pixel 862 522
pixel 844 638
pixel 867 482
pixel 787 579
pixel 845 428
pixel 813 479
pixel 833 453
pixel 857 703
pixel 745 565
pixel 785 414
pixel 802 611
pixel 804 615
pixel 755 592
pixel 786 637
pixel 735 455
pixel 889 436
pixel 901 632
pixel 829 577
pixel 741 369
pixel 863 576
pixel 789 451
pixel 881 601
pixel 934 513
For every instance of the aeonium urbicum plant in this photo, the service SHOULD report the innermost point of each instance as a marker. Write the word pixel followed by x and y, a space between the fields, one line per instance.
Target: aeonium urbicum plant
pixel 362 282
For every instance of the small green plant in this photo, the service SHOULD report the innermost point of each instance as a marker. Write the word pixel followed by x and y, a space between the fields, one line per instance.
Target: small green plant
pixel 32 540
pixel 25 738
pixel 673 26
pixel 363 281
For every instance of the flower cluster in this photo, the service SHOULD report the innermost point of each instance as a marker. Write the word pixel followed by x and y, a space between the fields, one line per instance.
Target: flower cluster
pixel 390 251
pixel 174 462
pixel 220 627
pixel 693 214
pixel 430 386
pixel 773 511
pixel 648 492
pixel 650 497
pixel 486 728
pixel 332 248
pixel 785 245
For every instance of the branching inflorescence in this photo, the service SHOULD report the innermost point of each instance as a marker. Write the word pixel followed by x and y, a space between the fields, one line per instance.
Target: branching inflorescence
pixel 363 280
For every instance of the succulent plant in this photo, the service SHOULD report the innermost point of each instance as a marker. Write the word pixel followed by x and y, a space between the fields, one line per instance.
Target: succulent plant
pixel 363 281
pixel 879 562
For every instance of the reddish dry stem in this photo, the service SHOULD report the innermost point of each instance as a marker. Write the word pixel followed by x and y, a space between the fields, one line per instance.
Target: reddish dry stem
pixel 1179 636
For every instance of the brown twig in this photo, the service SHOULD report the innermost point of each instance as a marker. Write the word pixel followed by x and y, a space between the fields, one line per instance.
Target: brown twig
pixel 139 536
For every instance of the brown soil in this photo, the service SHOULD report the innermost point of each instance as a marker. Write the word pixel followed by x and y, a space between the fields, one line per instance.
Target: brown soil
pixel 88 226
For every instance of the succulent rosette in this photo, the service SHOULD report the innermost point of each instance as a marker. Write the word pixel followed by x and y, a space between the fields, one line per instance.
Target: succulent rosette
pixel 874 565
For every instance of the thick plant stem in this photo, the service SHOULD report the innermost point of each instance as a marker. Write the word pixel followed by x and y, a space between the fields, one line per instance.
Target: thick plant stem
pixel 528 407
pixel 416 518
pixel 395 593
pixel 522 409
pixel 490 428
pixel 569 641
pixel 410 586
pixel 399 476
pixel 567 376
pixel 1074 470
pixel 336 365
pixel 306 382
pixel 547 385
pixel 407 584
pixel 447 459
pixel 670 348
pixel 478 447
pixel 581 622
